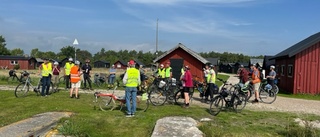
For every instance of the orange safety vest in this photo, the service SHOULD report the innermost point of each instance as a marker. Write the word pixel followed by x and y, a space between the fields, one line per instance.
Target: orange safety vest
pixel 254 79
pixel 74 74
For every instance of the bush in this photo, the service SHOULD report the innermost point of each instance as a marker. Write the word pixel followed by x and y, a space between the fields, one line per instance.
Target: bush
pixel 16 67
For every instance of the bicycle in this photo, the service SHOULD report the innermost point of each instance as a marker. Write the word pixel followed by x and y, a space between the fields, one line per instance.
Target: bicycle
pixel 23 88
pixel 160 91
pixel 231 98
pixel 266 94
pixel 107 101
pixel 99 80
pixel 14 78
pixel 179 96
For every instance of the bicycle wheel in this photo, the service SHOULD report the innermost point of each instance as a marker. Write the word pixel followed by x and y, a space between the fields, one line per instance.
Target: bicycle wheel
pixel 156 96
pixel 51 88
pixel 216 105
pixel 106 103
pixel 250 92
pixel 275 89
pixel 142 104
pixel 179 98
pixel 21 90
pixel 239 102
pixel 267 96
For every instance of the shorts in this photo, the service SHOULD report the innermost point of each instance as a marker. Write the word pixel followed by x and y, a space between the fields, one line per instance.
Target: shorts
pixel 76 85
pixel 186 89
pixel 256 86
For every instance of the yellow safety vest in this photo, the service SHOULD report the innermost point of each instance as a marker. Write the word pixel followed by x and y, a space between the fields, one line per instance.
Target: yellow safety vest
pixel 68 67
pixel 213 80
pixel 168 72
pixel 133 77
pixel 162 73
pixel 46 69
pixel 182 71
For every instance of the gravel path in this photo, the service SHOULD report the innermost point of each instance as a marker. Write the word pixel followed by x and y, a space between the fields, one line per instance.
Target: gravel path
pixel 282 104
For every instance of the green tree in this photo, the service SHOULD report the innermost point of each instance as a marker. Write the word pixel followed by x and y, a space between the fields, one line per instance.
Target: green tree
pixel 34 53
pixel 66 52
pixel 3 49
pixel 17 52
pixel 82 55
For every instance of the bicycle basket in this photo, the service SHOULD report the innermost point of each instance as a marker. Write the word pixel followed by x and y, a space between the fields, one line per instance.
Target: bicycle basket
pixel 161 84
pixel 173 81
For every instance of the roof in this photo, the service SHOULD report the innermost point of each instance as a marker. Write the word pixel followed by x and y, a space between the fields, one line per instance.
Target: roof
pixel 194 54
pixel 138 62
pixel 101 61
pixel 213 61
pixel 255 61
pixel 14 57
pixel 300 46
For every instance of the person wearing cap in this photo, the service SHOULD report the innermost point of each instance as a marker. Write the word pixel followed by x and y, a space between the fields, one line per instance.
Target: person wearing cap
pixel 272 75
pixel 243 74
pixel 131 80
pixel 86 69
pixel 45 70
pixel 211 80
pixel 161 71
pixel 55 72
pixel 75 79
pixel 187 86
pixel 112 76
pixel 255 80
pixel 168 70
pixel 67 68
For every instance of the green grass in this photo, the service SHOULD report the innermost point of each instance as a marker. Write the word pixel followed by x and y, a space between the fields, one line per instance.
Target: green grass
pixel 90 121
pixel 301 96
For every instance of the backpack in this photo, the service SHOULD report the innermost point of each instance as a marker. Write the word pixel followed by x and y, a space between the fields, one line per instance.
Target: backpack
pixel 261 75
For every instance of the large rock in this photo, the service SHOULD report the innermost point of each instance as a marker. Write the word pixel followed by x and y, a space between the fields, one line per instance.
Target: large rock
pixel 176 127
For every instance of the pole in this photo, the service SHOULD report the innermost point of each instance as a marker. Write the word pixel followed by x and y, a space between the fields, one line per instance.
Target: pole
pixel 157 40
pixel 75 53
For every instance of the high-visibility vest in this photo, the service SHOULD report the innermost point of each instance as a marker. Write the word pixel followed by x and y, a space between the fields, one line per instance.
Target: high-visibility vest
pixel 182 71
pixel 162 73
pixel 168 70
pixel 74 74
pixel 133 77
pixel 68 67
pixel 46 69
pixel 213 80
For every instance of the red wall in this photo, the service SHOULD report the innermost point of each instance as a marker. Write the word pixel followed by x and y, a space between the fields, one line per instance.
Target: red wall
pixel 24 64
pixel 194 64
pixel 286 82
pixel 307 71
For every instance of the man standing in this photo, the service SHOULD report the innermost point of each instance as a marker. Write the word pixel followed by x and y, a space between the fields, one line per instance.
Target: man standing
pixel 45 70
pixel 56 72
pixel 132 80
pixel 168 74
pixel 211 80
pixel 75 79
pixel 256 82
pixel 272 76
pixel 67 68
pixel 112 76
pixel 162 71
pixel 86 68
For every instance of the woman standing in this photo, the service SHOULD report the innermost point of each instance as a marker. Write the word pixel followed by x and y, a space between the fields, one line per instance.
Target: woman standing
pixel 188 85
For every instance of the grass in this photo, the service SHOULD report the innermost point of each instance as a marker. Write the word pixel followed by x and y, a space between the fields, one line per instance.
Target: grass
pixel 90 121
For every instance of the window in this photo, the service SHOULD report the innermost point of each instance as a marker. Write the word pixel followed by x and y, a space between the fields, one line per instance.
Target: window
pixel 290 70
pixel 14 62
pixel 282 70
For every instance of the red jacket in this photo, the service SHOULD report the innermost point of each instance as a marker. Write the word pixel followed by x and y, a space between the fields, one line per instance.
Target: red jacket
pixel 188 79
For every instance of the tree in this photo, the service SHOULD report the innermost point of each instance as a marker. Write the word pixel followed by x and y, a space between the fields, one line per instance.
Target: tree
pixel 3 49
pixel 66 52
pixel 82 55
pixel 17 52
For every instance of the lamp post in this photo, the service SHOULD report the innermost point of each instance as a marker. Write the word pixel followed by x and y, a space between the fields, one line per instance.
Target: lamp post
pixel 75 42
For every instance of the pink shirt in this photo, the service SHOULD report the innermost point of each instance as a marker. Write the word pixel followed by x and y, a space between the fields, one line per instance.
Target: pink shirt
pixel 188 79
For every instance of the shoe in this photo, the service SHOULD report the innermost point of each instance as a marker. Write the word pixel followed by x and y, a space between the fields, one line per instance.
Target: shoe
pixel 185 106
pixel 255 101
pixel 71 96
pixel 128 115
pixel 132 115
pixel 77 97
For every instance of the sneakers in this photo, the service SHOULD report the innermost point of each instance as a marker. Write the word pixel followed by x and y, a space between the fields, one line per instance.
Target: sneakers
pixel 185 106
pixel 130 115
pixel 255 101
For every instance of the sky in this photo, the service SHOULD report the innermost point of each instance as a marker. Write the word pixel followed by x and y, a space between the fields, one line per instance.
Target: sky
pixel 249 27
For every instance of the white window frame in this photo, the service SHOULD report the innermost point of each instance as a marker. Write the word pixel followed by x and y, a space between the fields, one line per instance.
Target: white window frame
pixel 14 62
pixel 290 71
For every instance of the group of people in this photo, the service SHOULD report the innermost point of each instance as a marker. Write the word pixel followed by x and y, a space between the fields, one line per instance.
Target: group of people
pixel 254 73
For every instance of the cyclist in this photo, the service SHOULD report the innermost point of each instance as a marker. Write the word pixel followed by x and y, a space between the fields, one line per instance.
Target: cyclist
pixel 67 68
pixel 75 79
pixel 272 75
pixel 211 80
pixel 188 85
pixel 45 70
pixel 55 72
pixel 132 80
pixel 243 74
pixel 168 71
pixel 161 71
pixel 112 76
pixel 256 82
pixel 86 68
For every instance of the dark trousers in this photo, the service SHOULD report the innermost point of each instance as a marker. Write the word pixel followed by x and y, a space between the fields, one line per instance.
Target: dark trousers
pixel 68 82
pixel 210 90
pixel 86 78
pixel 45 85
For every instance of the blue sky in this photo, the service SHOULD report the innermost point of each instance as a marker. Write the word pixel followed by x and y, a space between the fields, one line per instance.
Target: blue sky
pixel 250 27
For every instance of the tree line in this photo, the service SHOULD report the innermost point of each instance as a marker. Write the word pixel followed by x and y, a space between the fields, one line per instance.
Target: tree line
pixel 113 56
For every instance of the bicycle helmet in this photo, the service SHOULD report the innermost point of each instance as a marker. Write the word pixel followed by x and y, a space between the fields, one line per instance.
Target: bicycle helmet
pixel 55 63
pixel 70 59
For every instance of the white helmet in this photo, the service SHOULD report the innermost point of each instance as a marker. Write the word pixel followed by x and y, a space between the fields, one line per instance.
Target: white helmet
pixel 70 59
pixel 77 62
pixel 55 63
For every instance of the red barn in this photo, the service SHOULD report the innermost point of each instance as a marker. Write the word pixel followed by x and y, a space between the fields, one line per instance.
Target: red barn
pixel 298 66
pixel 25 63
pixel 180 56
pixel 120 64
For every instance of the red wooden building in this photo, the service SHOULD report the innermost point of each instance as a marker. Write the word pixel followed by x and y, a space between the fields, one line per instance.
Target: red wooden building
pixel 120 64
pixel 25 63
pixel 180 56
pixel 298 66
